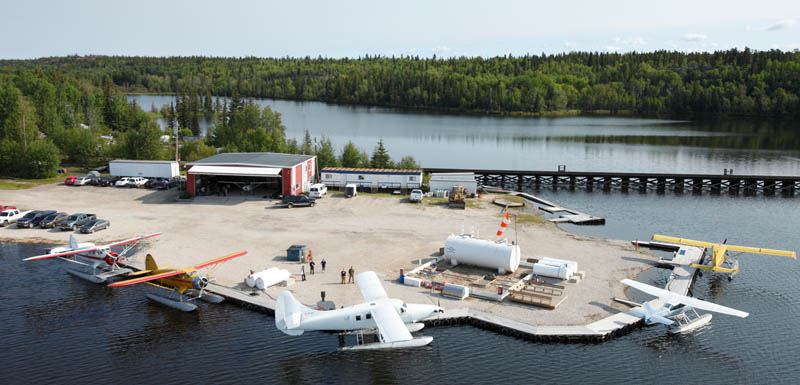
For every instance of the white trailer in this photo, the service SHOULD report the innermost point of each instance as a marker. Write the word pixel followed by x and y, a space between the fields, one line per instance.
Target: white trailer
pixel 372 178
pixel 446 181
pixel 144 168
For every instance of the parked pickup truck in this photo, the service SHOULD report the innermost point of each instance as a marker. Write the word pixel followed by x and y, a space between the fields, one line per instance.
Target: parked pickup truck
pixel 10 216
pixel 75 221
pixel 31 221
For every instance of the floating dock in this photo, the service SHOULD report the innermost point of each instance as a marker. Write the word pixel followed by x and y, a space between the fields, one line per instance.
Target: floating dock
pixel 572 216
pixel 680 282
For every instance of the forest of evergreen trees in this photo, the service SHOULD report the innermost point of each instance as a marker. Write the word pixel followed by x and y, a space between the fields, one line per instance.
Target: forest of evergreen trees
pixel 662 83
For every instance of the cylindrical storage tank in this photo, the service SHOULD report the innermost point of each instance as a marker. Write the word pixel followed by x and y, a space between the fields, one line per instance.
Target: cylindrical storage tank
pixel 480 252
pixel 455 291
pixel 412 281
pixel 559 272
pixel 251 279
pixel 271 277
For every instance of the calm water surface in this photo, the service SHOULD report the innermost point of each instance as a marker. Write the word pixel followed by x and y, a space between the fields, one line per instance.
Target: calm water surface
pixel 58 329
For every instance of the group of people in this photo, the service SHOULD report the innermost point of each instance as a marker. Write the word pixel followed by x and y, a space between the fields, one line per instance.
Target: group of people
pixel 349 274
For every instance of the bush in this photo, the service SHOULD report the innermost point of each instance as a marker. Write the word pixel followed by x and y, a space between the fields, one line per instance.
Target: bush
pixel 39 161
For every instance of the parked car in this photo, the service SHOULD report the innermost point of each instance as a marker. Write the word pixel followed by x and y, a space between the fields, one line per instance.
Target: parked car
pixel 416 196
pixel 75 221
pixel 136 182
pixel 95 225
pixel 81 181
pixel 107 181
pixel 33 220
pixel 350 190
pixel 122 182
pixel 165 184
pixel 10 216
pixel 298 200
pixel 317 190
pixel 151 182
pixel 70 180
pixel 52 220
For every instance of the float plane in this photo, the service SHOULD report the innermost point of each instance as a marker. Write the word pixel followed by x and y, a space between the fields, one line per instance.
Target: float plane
pixel 720 263
pixel 184 281
pixel 393 318
pixel 674 312
pixel 97 257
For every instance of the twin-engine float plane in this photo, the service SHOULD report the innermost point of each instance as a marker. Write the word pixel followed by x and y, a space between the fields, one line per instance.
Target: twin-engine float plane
pixel 720 263
pixel 675 311
pixel 392 319
pixel 95 257
pixel 184 281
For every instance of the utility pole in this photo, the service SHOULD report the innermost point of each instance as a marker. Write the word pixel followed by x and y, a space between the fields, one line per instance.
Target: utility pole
pixel 24 132
pixel 175 132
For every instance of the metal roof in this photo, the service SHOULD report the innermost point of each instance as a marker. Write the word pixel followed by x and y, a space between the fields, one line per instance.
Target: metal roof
pixel 344 170
pixel 142 161
pixel 233 170
pixel 262 159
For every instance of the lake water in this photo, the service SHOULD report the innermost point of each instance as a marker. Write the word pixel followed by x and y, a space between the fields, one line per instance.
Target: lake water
pixel 58 329
pixel 580 143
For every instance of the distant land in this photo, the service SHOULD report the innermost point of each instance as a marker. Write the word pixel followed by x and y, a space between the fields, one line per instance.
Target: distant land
pixel 655 84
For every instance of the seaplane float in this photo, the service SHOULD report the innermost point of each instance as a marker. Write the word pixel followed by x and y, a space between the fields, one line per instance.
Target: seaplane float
pixel 95 257
pixel 675 311
pixel 392 320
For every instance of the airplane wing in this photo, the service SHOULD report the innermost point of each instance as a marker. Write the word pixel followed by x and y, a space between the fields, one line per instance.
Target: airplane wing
pixel 146 278
pixel 682 241
pixel 689 301
pixel 758 250
pixel 391 326
pixel 64 254
pixel 370 286
pixel 220 259
pixel 125 242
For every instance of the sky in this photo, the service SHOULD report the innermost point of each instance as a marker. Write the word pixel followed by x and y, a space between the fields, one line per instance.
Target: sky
pixel 39 28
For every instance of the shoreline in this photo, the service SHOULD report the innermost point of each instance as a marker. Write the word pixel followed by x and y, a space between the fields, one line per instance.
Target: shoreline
pixel 379 233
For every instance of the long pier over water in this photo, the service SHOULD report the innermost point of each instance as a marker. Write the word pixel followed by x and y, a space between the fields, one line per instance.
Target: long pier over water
pixel 641 182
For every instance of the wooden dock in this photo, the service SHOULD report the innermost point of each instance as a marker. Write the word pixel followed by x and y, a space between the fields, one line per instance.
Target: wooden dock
pixel 572 216
pixel 615 325
pixel 786 185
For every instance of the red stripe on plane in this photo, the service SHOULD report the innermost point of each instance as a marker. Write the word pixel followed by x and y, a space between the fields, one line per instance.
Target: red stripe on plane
pixel 147 278
pixel 221 259
pixel 139 238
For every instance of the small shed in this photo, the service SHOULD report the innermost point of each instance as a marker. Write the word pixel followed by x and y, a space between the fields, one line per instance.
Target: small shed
pixel 297 253
pixel 446 181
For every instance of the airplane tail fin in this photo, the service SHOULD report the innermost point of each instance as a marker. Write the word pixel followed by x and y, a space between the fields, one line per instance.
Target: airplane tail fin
pixel 650 315
pixel 73 243
pixel 150 263
pixel 289 314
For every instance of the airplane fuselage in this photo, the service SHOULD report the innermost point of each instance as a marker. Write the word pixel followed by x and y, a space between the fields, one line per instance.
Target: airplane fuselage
pixel 359 316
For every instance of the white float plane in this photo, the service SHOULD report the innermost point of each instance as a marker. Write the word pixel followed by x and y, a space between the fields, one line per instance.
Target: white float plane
pixel 96 257
pixel 674 311
pixel 393 318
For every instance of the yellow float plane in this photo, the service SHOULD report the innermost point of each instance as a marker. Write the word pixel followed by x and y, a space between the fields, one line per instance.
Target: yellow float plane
pixel 183 281
pixel 720 263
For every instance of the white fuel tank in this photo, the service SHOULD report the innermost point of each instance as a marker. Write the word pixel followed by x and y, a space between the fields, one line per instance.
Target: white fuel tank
pixel 499 256
pixel 252 278
pixel 271 277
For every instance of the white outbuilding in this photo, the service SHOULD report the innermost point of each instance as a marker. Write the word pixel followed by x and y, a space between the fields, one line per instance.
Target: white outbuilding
pixel 446 181
pixel 372 178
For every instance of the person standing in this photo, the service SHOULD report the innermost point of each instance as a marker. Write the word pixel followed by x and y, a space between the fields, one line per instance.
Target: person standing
pixel 323 264
pixel 311 265
pixel 344 274
pixel 351 272
pixel 303 272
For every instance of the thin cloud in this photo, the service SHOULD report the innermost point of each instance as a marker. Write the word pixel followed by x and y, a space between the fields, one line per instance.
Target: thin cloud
pixel 693 37
pixel 569 44
pixel 776 26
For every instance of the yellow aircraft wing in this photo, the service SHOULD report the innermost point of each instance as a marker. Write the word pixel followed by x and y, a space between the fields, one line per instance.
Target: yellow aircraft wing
pixel 219 260
pixel 682 241
pixel 757 250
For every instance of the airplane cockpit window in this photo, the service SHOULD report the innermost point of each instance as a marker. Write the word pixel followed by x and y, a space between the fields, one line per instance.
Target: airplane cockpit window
pixel 369 315
pixel 358 318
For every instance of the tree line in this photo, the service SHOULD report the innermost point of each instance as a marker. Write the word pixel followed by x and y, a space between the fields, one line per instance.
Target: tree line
pixel 662 83
pixel 49 118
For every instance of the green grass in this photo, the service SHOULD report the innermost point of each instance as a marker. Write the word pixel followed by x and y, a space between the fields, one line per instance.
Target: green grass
pixel 532 219
pixel 22 184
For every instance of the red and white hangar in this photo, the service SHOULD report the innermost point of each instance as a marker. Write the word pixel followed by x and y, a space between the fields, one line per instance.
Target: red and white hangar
pixel 251 172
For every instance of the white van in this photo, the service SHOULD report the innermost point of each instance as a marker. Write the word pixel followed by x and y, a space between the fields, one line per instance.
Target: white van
pixel 317 190
pixel 350 190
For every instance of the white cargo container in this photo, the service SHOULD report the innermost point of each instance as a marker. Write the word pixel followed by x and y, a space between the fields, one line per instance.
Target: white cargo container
pixel 144 168
pixel 446 181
